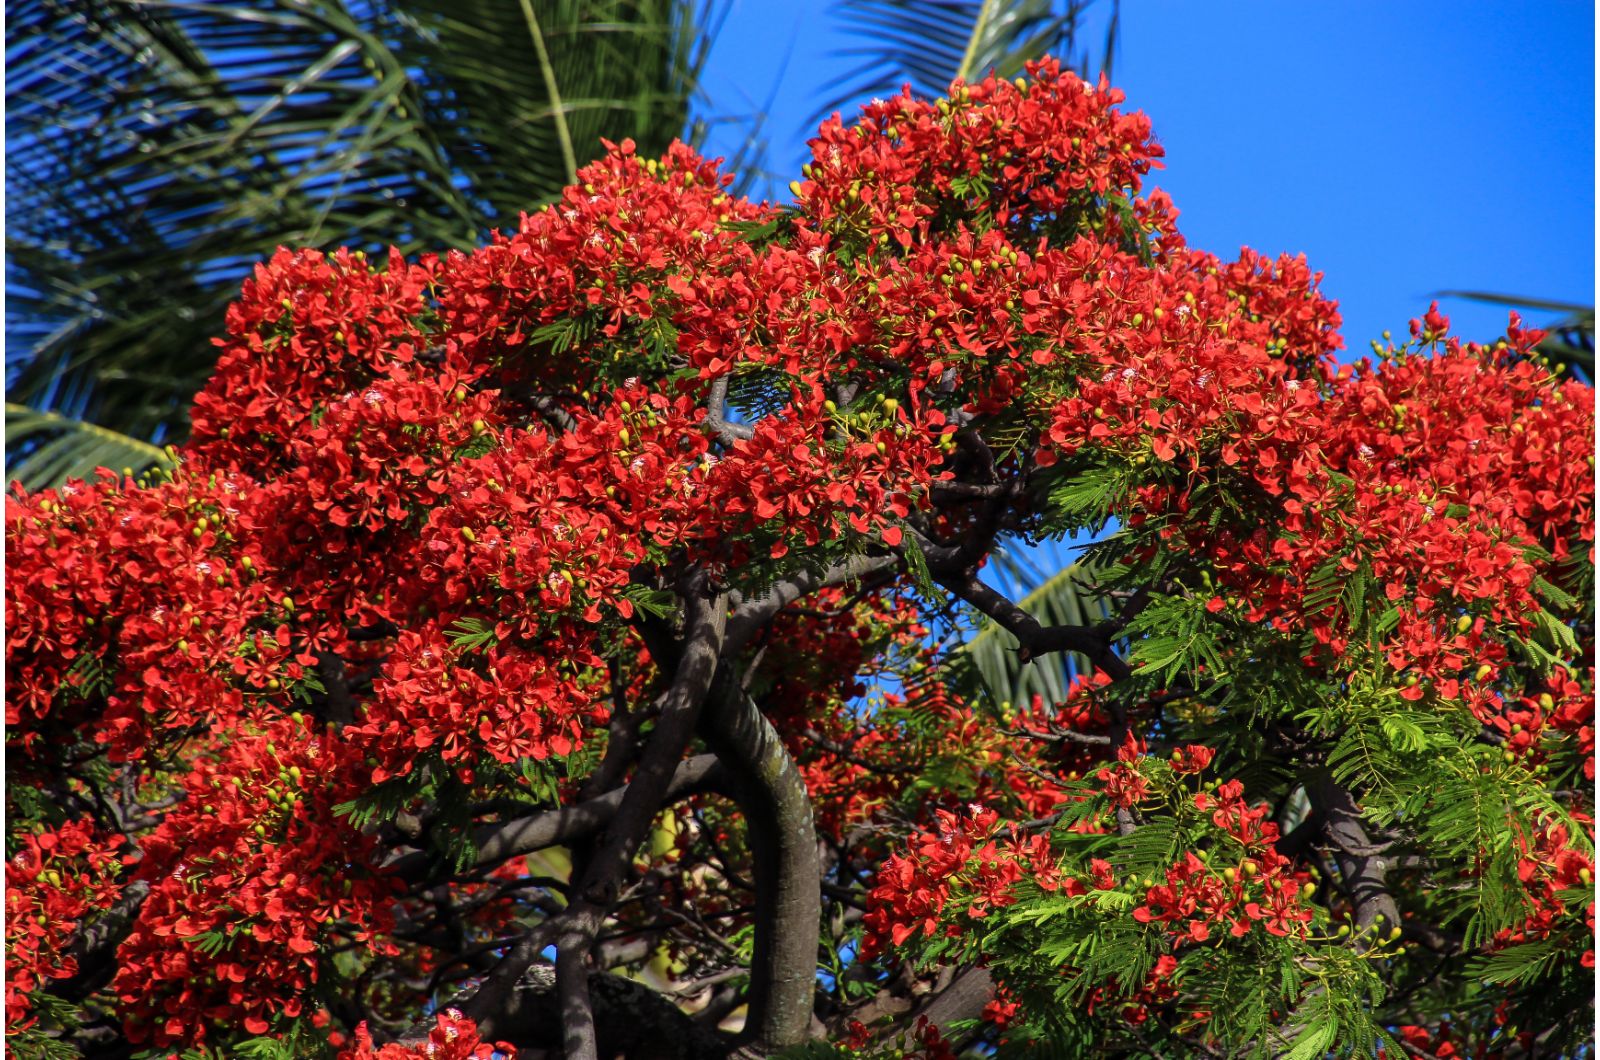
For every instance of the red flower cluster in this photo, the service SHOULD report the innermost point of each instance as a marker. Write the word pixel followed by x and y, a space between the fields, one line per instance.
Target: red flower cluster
pixel 1448 1043
pixel 1035 146
pixel 133 613
pixel 340 521
pixel 59 878
pixel 507 702
pixel 965 862
pixel 1553 865
pixel 452 1037
pixel 307 328
pixel 1404 477
pixel 251 878
pixel 634 251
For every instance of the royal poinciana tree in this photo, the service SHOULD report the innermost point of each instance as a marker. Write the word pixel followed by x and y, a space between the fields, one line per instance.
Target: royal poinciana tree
pixel 559 647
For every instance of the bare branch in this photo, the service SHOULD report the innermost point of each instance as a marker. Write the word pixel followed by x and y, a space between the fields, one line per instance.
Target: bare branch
pixel 1035 639
pixel 524 835
pixel 717 415
pixel 752 614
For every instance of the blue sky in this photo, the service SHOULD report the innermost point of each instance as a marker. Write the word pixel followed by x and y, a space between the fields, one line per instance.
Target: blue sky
pixel 1405 148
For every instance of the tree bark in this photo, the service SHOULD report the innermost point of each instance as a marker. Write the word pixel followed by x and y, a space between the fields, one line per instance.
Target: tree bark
pixel 783 843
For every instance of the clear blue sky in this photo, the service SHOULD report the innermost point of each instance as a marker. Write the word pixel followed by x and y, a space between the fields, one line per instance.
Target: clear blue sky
pixel 1405 147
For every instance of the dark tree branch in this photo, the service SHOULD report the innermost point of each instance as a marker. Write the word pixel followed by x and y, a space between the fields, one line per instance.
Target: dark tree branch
pixel 751 615
pixel 602 877
pixel 962 999
pixel 1034 639
pixel 340 705
pixel 1363 865
pixel 972 490
pixel 549 408
pixel 600 883
pixel 782 838
pixel 95 946
pixel 630 1020
pixel 559 827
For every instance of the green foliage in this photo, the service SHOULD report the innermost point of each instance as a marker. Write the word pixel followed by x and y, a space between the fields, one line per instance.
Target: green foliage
pixel 44 450
pixel 249 124
pixel 383 802
pixel 1524 961
pixel 657 603
pixel 472 634
pixel 52 1017
pixel 295 1040
pixel 930 43
pixel 1175 636
pixel 1087 495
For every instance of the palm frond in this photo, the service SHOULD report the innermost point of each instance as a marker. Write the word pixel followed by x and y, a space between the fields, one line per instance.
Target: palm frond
pixel 156 150
pixel 929 43
pixel 44 450
pixel 525 90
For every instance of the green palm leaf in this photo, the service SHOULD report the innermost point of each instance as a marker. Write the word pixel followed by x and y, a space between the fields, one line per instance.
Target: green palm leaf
pixel 929 43
pixel 48 449
pixel 156 150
